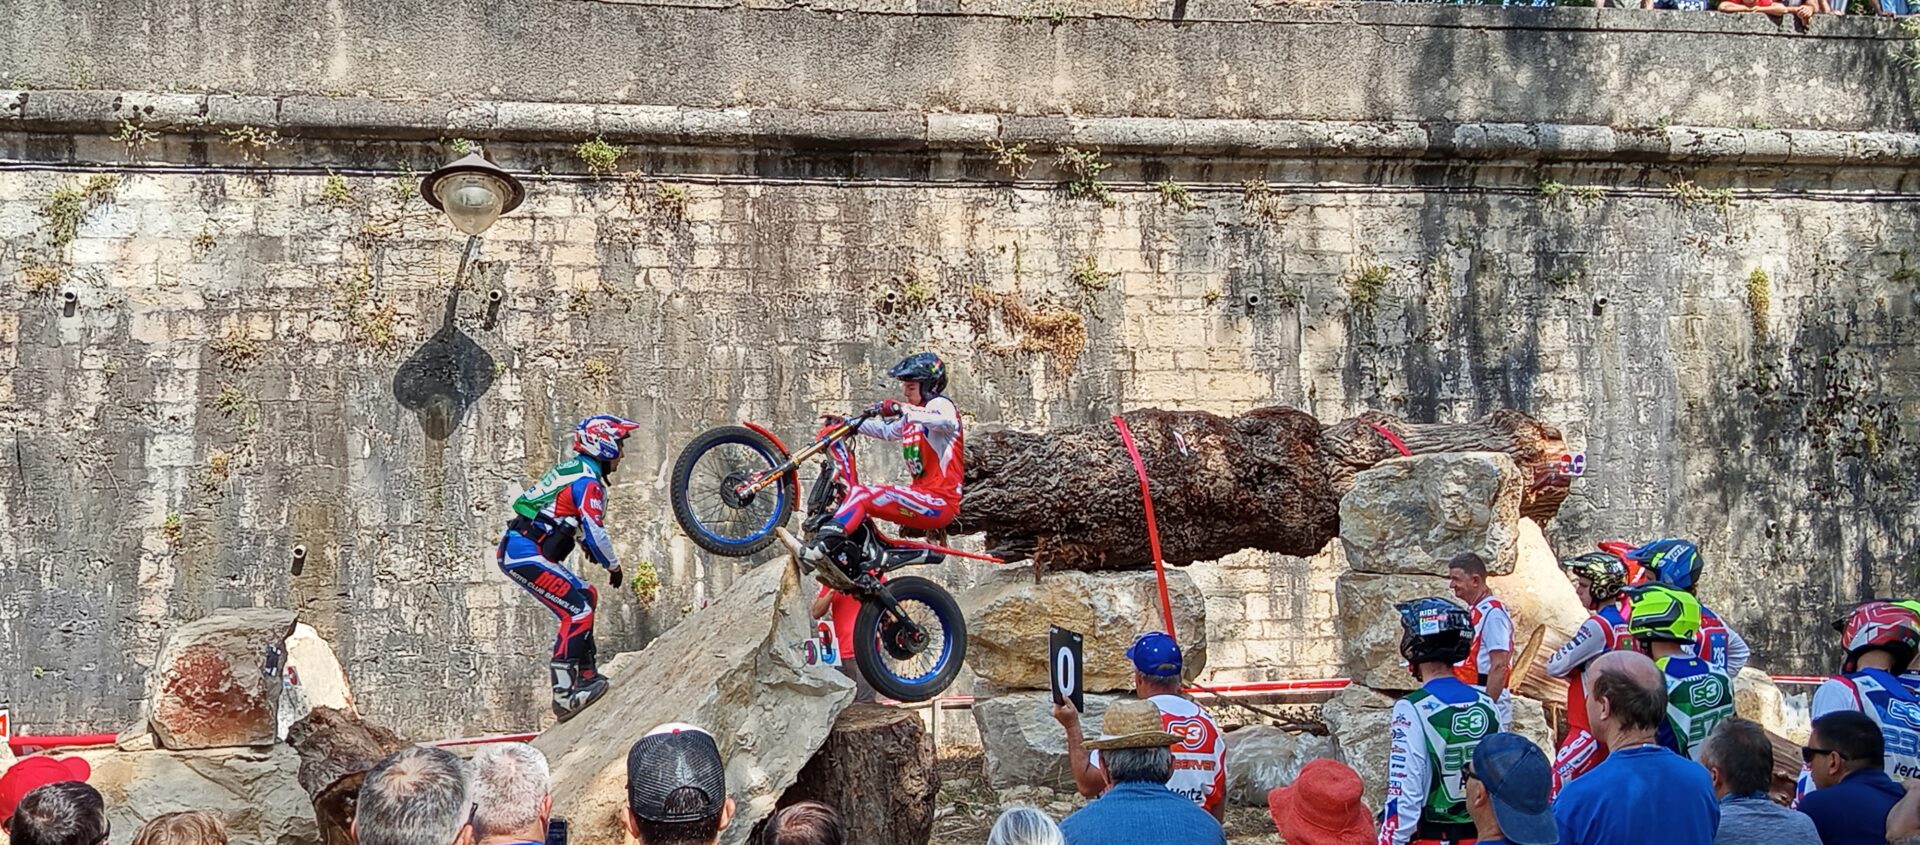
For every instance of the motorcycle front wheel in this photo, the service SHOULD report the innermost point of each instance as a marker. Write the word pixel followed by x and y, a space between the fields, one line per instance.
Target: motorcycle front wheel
pixel 901 662
pixel 704 489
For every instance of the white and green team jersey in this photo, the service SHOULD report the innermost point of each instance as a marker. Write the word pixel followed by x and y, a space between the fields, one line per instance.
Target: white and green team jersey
pixel 1699 697
pixel 542 494
pixel 1433 739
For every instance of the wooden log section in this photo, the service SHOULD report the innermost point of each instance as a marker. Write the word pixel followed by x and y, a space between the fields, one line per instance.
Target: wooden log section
pixel 336 749
pixel 877 769
pixel 1269 479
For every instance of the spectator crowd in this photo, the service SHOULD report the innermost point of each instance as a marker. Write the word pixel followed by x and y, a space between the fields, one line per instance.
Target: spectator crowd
pixel 1653 752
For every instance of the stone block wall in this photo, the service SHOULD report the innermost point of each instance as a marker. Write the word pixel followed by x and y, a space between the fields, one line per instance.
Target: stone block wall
pixel 271 345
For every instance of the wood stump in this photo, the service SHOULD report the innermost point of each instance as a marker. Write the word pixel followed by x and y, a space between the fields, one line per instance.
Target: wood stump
pixel 877 769
pixel 336 750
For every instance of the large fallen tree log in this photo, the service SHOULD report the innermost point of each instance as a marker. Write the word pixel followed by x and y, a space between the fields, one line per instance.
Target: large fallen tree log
pixel 1269 479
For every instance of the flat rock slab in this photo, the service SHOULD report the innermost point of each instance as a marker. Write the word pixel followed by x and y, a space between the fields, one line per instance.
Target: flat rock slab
pixel 733 669
pixel 218 680
pixel 1008 616
pixel 255 791
pixel 1022 743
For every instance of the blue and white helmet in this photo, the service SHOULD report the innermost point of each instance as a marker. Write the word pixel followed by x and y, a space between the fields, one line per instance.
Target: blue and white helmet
pixel 602 436
pixel 1673 562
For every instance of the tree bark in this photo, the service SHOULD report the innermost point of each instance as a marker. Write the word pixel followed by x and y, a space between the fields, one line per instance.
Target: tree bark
pixel 336 749
pixel 877 769
pixel 1269 479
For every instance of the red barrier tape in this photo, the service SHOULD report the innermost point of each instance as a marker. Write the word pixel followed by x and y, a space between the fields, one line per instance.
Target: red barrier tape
pixel 1153 528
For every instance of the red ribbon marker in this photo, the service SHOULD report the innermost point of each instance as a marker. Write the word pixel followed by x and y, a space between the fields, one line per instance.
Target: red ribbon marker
pixel 1153 527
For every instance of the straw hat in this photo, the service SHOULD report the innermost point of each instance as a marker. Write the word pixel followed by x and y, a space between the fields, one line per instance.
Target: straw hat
pixel 1131 723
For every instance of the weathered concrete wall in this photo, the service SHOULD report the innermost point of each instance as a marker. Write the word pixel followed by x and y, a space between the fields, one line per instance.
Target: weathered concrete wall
pixel 260 355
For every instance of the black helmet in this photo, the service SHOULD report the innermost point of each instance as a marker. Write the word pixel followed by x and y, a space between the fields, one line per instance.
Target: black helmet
pixel 1433 629
pixel 925 368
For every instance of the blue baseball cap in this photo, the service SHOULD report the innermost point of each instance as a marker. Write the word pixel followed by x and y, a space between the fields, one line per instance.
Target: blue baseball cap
pixel 1517 777
pixel 1155 654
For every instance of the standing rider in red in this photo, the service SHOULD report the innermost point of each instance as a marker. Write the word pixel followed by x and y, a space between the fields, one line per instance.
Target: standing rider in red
pixel 568 503
pixel 927 426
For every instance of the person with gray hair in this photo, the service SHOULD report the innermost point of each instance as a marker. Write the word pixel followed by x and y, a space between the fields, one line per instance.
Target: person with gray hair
pixel 1739 757
pixel 417 796
pixel 1137 753
pixel 512 794
pixel 1022 825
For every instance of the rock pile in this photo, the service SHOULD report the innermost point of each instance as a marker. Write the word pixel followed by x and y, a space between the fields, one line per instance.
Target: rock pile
pixel 1399 524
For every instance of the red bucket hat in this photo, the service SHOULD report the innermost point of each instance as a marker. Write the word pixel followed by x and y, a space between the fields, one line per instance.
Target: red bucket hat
pixel 31 773
pixel 1322 807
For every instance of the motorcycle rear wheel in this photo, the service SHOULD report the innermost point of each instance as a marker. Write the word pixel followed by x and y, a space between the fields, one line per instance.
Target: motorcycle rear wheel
pixel 905 670
pixel 714 518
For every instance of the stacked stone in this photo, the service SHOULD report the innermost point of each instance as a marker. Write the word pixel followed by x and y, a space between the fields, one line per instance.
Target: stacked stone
pixel 1400 524
pixel 210 737
pixel 1008 616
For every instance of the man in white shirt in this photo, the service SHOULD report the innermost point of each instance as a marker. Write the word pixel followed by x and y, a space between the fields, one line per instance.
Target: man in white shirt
pixel 1490 657
pixel 1199 758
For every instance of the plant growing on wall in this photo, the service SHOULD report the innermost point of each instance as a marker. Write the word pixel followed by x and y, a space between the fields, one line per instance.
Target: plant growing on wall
pixel 1174 194
pixel 1090 280
pixel 1759 298
pixel 600 157
pixel 1085 167
pixel 1365 281
pixel 334 191
pixel 1012 158
pixel 1258 198
pixel 236 349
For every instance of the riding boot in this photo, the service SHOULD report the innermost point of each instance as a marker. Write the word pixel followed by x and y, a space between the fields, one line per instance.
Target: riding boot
pixel 828 543
pixel 576 684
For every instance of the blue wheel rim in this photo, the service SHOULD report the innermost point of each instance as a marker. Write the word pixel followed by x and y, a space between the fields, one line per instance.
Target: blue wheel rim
pixel 779 499
pixel 947 626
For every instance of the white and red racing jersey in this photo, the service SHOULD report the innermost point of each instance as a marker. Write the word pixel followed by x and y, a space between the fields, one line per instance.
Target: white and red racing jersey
pixel 1199 758
pixel 930 441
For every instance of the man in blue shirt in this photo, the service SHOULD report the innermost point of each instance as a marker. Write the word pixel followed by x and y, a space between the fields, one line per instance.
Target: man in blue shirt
pixel 1137 754
pixel 1854 794
pixel 1641 793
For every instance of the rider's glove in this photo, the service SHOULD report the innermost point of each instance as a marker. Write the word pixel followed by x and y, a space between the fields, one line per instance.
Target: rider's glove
pixel 616 575
pixel 885 409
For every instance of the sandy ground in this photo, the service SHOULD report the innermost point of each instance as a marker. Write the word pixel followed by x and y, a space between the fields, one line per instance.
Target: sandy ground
pixel 968 806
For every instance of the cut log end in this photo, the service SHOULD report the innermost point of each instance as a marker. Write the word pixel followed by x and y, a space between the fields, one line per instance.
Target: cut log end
pixel 877 769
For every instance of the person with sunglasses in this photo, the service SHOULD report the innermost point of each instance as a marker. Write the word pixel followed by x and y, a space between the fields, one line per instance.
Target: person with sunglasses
pixel 1855 794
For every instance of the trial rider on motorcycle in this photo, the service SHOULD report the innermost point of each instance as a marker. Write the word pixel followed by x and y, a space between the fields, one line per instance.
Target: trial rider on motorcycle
pixel 927 425
pixel 569 502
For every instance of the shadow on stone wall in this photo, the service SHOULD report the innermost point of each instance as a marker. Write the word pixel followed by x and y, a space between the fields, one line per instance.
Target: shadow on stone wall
pixel 443 379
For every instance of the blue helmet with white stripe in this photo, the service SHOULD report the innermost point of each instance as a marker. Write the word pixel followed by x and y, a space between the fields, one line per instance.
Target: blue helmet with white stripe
pixel 1673 562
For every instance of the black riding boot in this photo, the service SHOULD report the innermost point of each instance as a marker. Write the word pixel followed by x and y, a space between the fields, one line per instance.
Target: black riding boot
pixel 576 684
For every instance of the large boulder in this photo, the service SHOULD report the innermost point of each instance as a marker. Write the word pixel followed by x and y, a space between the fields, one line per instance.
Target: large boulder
pixel 314 678
pixel 1756 697
pixel 731 668
pixel 1022 743
pixel 1361 722
pixel 1530 721
pixel 1537 591
pixel 1370 629
pixel 1008 616
pixel 1261 757
pixel 217 682
pixel 255 791
pixel 1410 515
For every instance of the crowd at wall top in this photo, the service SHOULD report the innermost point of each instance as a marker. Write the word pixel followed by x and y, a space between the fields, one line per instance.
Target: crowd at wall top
pixel 1803 10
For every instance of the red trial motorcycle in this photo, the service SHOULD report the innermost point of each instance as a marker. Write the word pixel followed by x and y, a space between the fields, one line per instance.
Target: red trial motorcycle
pixel 733 485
